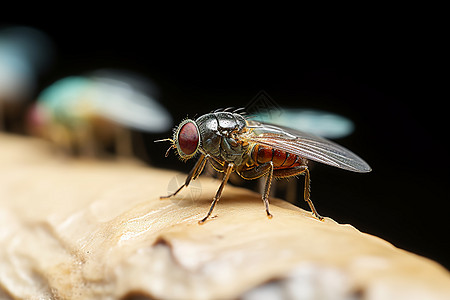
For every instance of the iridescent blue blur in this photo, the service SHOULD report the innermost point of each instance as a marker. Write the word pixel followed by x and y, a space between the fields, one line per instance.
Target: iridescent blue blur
pixel 24 53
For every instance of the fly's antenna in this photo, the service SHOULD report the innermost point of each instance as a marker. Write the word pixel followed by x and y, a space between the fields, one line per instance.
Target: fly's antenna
pixel 168 150
pixel 164 140
pixel 171 146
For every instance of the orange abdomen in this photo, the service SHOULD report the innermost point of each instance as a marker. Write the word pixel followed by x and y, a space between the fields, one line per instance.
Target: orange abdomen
pixel 281 159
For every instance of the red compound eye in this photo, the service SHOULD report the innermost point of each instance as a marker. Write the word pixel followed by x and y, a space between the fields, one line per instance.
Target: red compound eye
pixel 188 138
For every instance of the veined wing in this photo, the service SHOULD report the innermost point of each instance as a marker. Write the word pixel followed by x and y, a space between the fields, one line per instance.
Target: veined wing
pixel 306 145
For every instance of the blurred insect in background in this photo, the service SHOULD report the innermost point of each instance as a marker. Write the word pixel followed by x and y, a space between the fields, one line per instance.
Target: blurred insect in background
pixel 25 55
pixel 84 114
pixel 252 149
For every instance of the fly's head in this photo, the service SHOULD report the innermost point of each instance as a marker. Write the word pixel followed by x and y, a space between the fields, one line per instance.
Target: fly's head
pixel 186 139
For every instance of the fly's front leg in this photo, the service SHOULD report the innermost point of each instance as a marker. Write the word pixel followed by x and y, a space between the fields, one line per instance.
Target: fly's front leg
pixel 193 174
pixel 298 171
pixel 229 169
pixel 259 171
pixel 201 167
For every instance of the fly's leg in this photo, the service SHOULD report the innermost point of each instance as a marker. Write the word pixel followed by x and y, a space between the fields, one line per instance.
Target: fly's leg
pixel 217 166
pixel 201 167
pixel 267 189
pixel 307 192
pixel 214 165
pixel 229 169
pixel 193 174
pixel 298 171
pixel 259 171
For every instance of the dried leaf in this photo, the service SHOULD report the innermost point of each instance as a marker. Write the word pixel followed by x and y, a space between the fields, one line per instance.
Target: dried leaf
pixel 81 229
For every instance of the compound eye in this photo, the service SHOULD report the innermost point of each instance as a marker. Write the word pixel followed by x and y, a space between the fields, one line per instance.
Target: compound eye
pixel 188 139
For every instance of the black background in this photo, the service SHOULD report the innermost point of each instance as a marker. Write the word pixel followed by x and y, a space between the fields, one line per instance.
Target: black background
pixel 387 79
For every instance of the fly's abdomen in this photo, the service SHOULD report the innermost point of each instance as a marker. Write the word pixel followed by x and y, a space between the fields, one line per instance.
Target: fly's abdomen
pixel 281 159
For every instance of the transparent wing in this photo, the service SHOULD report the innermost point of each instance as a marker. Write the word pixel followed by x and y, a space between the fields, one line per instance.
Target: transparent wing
pixel 306 145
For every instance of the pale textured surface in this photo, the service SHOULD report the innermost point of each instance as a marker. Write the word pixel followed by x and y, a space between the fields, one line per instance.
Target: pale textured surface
pixel 97 230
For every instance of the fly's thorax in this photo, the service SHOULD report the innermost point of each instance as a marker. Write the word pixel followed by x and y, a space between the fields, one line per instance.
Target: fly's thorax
pixel 221 123
pixel 219 134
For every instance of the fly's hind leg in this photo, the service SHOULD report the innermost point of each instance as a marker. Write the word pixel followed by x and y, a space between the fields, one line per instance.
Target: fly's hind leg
pixel 259 171
pixel 299 171
pixel 193 174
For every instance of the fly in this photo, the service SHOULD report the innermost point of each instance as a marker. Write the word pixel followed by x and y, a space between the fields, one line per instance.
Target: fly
pixel 232 143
